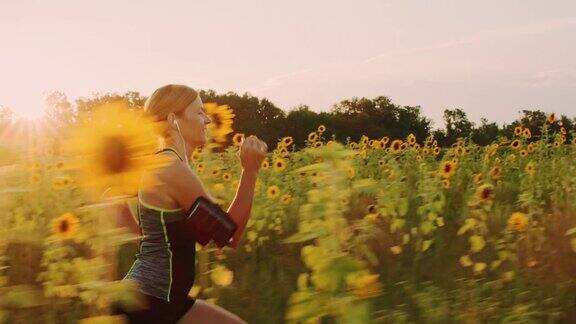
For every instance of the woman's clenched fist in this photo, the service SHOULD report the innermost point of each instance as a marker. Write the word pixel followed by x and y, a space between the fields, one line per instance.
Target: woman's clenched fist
pixel 252 153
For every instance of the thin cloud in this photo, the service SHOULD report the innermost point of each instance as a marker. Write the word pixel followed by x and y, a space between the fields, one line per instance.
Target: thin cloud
pixel 503 33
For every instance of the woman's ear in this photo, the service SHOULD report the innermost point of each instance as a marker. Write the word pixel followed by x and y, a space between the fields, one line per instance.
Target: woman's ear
pixel 172 120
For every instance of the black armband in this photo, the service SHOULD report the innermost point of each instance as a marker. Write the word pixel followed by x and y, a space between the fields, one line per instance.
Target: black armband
pixel 207 221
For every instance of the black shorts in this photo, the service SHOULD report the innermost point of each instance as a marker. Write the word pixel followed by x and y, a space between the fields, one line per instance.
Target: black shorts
pixel 158 311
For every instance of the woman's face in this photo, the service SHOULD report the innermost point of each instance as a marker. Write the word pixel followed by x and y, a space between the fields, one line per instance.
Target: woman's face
pixel 192 122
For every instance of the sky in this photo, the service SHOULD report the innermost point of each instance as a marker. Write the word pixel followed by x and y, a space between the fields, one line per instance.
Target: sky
pixel 489 58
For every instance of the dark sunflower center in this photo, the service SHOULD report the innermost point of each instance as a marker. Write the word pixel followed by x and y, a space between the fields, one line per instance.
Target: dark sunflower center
pixel 115 156
pixel 486 193
pixel 447 168
pixel 217 120
pixel 64 226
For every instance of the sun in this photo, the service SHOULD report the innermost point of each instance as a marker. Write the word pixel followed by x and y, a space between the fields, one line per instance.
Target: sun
pixel 30 113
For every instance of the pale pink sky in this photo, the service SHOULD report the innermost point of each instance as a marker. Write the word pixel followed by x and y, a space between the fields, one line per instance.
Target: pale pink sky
pixel 491 58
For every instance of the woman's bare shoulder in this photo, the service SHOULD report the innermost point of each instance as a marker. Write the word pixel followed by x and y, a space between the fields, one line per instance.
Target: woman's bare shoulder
pixel 157 183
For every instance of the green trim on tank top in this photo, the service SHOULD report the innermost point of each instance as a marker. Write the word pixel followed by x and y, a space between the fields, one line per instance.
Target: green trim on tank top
pixel 169 251
pixel 166 149
pixel 156 208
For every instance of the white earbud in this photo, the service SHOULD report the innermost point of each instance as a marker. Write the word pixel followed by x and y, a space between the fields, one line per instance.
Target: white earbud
pixel 181 137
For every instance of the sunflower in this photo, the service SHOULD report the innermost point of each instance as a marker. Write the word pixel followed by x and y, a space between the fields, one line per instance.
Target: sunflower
pixel 273 191
pixel 317 144
pixel 496 172
pixel 351 172
pixel 216 173
pixel 411 139
pixel 425 151
pixel 222 119
pixel 523 153
pixel 61 182
pixel 477 178
pixel 321 129
pixel 436 151
pixel 385 140
pixel 485 193
pixel 465 261
pixel 287 141
pixel 286 199
pixel 265 164
pixel 518 222
pixel 372 209
pixel 237 139
pixel 562 130
pixel 364 140
pixel 515 144
pixel 396 249
pixel 221 276
pixel 35 178
pixel 531 147
pixel 381 163
pixel 551 118
pixel 403 146
pixel 517 130
pixel 527 133
pixel 396 146
pixel 283 151
pixel 195 155
pixel 381 145
pixel 530 168
pixel 574 141
pixel 312 137
pixel 445 183
pixel 200 168
pixel 364 284
pixel 65 226
pixel 226 176
pixel 112 147
pixel 279 164
pixel 447 169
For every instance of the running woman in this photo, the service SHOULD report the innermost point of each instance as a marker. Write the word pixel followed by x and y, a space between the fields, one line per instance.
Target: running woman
pixel 163 270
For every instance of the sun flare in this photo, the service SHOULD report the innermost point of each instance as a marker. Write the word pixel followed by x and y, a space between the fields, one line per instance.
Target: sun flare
pixel 32 113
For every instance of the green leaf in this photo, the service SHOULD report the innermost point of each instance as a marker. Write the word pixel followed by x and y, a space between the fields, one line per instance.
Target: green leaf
pixel 302 237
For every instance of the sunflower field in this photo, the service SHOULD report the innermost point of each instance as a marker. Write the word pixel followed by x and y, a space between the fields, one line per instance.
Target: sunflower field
pixel 383 230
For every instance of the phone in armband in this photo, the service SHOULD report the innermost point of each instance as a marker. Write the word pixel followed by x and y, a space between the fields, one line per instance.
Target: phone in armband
pixel 207 221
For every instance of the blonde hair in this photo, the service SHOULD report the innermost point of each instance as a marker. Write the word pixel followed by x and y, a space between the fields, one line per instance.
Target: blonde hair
pixel 171 98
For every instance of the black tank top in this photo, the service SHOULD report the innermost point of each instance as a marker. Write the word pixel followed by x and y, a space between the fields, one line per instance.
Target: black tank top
pixel 162 268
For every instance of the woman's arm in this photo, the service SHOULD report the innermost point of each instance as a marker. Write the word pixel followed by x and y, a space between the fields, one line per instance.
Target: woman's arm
pixel 126 218
pixel 185 187
pixel 241 206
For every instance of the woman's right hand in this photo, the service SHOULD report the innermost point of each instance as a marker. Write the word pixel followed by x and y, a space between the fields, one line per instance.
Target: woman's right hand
pixel 252 153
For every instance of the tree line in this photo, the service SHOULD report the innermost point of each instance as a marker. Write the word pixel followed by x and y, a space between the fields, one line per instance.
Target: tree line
pixel 347 120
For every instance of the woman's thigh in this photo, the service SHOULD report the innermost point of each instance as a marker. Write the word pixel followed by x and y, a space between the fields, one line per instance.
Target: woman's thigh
pixel 205 313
